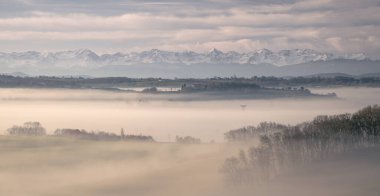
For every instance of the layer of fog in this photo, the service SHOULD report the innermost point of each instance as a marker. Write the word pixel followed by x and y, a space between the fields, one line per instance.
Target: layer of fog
pixel 56 166
pixel 348 174
pixel 110 111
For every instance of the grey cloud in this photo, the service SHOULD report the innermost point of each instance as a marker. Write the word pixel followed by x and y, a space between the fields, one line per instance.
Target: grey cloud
pixel 326 25
pixel 118 7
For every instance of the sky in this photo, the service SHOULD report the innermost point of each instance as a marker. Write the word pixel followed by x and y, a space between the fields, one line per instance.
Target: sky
pixel 336 26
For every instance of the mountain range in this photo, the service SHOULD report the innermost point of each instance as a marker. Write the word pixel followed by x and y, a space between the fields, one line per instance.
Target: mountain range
pixel 159 63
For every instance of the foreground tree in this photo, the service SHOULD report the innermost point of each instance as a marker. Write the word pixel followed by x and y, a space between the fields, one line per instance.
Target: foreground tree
pixel 283 148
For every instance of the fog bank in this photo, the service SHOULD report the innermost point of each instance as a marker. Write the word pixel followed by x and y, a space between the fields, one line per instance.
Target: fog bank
pixel 208 120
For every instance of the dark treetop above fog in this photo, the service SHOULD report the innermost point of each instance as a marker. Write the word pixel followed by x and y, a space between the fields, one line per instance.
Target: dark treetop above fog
pixel 112 83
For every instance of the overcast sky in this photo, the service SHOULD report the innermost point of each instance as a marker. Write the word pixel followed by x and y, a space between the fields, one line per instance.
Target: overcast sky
pixel 338 26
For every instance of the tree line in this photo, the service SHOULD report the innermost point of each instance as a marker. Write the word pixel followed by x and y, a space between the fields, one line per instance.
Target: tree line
pixel 101 135
pixel 216 82
pixel 187 140
pixel 284 147
pixel 36 129
pixel 27 129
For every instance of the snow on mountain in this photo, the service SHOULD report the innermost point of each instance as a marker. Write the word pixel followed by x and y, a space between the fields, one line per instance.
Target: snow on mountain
pixel 72 58
pixel 86 58
pixel 358 56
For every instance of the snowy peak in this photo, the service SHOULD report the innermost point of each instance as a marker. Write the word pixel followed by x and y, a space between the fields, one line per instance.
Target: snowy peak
pixel 76 54
pixel 71 58
pixel 264 52
pixel 215 52
pixel 88 58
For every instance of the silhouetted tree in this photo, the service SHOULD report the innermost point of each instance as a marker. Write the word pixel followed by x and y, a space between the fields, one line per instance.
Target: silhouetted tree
pixel 187 140
pixel 28 129
pixel 101 135
pixel 284 148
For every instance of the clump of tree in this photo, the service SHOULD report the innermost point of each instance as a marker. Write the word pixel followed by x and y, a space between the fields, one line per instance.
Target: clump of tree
pixel 187 140
pixel 27 129
pixel 251 132
pixel 101 135
pixel 150 90
pixel 284 148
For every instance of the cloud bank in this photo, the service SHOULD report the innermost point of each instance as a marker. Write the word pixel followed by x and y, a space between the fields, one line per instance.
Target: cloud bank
pixel 338 26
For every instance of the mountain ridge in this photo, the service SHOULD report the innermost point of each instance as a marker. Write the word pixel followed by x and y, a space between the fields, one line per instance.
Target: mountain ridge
pixel 86 57
pixel 187 64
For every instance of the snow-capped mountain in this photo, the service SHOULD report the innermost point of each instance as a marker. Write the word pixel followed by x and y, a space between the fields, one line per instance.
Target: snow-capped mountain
pixel 86 58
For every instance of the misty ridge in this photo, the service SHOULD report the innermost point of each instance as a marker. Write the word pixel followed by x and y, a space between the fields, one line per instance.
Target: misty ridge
pixel 183 89
pixel 278 148
pixel 190 89
pixel 118 83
